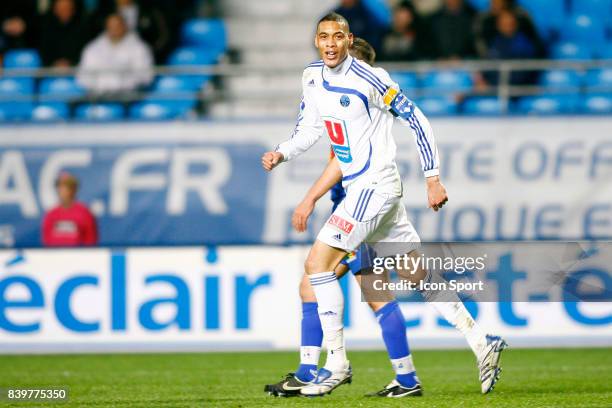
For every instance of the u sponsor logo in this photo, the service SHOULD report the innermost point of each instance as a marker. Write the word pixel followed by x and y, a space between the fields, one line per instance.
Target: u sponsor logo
pixel 336 130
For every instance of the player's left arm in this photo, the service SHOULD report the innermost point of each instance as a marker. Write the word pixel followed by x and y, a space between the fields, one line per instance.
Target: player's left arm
pixel 330 176
pixel 409 115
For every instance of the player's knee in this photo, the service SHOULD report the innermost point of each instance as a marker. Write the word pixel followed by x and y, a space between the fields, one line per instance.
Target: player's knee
pixel 376 306
pixel 304 289
pixel 312 265
pixel 319 261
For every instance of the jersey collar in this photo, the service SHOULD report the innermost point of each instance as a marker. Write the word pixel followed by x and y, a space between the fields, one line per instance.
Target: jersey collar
pixel 340 69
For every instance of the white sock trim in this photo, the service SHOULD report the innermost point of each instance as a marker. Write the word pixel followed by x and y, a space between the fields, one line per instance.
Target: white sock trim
pixel 403 365
pixel 310 355
pixel 322 278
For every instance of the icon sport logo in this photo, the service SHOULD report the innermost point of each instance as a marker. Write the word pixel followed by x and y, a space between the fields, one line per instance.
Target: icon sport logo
pixel 336 130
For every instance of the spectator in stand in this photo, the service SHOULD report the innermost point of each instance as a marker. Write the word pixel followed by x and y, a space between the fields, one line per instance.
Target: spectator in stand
pixel 363 24
pixel 18 24
pixel 453 31
pixel 510 43
pixel 145 19
pixel 63 33
pixel 70 223
pixel 487 24
pixel 177 12
pixel 406 40
pixel 117 61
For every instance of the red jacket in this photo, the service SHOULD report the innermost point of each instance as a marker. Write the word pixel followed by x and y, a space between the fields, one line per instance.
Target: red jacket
pixel 72 226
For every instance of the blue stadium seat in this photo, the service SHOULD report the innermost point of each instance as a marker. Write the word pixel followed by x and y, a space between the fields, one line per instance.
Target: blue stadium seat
pixel 549 16
pixel 482 106
pixel 60 88
pixel 99 112
pixel 601 8
pixel 570 51
pixel 602 50
pixel 205 33
pixel 480 5
pixel 560 80
pixel 22 58
pixel 451 81
pixel 584 28
pixel 406 80
pixel 179 83
pixel 161 109
pixel 547 104
pixel 192 56
pixel 15 111
pixel 16 87
pixel 599 79
pixel 380 10
pixel 596 104
pixel 50 112
pixel 438 106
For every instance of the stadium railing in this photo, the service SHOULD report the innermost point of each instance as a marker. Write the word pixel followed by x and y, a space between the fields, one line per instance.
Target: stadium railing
pixel 551 87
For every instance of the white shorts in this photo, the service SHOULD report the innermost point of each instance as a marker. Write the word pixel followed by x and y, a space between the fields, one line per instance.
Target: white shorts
pixel 371 216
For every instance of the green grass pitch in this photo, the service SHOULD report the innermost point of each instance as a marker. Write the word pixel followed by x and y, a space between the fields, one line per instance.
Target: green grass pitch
pixel 531 378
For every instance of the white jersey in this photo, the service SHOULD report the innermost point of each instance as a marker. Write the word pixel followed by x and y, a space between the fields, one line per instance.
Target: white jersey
pixel 351 104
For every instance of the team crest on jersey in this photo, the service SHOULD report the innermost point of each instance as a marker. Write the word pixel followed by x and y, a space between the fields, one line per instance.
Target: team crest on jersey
pixel 341 224
pixel 338 136
pixel 345 100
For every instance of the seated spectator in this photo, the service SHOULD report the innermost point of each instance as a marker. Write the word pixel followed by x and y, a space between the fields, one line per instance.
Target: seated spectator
pixel 70 223
pixel 143 18
pixel 18 24
pixel 362 23
pixel 405 41
pixel 116 61
pixel 453 31
pixel 510 43
pixel 487 25
pixel 63 34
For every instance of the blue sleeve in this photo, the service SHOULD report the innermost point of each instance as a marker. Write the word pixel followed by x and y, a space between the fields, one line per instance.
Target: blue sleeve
pixel 337 194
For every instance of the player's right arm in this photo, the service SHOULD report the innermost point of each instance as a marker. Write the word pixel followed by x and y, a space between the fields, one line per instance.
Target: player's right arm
pixel 331 175
pixel 308 129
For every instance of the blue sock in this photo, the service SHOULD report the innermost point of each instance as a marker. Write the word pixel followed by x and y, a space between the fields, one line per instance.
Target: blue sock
pixel 393 327
pixel 312 338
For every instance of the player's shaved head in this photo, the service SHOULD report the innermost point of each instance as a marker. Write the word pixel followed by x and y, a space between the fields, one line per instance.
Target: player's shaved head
pixel 336 18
